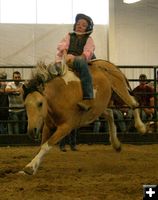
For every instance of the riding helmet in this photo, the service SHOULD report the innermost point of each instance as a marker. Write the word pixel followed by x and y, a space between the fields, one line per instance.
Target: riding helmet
pixel 87 18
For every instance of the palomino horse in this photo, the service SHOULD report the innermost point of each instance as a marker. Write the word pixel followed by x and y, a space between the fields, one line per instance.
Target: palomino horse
pixel 56 108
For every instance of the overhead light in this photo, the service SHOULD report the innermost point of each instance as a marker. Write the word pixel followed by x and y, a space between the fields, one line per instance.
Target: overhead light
pixel 130 1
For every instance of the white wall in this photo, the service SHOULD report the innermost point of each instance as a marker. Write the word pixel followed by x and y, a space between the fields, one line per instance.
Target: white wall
pixel 24 44
pixel 133 35
pixel 132 40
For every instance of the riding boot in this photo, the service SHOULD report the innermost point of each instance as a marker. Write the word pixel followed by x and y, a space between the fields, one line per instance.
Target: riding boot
pixel 85 104
pixel 55 69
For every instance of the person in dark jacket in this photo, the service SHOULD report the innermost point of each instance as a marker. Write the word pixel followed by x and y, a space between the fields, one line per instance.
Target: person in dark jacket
pixel 4 104
pixel 144 94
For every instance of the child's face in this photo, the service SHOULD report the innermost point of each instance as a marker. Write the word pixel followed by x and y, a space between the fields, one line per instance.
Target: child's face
pixel 81 26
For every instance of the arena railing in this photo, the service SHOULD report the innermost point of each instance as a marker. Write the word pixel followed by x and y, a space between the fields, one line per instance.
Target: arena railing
pixel 89 129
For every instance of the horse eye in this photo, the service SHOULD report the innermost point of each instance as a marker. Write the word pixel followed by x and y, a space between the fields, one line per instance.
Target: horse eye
pixel 40 104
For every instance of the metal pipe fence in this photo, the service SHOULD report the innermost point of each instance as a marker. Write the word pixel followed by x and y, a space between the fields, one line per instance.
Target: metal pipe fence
pixel 154 80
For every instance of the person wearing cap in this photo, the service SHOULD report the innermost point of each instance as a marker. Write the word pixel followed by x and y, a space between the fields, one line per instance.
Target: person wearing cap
pixel 79 49
pixel 145 96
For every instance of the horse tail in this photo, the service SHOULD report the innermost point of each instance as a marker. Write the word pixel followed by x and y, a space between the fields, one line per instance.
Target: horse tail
pixel 129 87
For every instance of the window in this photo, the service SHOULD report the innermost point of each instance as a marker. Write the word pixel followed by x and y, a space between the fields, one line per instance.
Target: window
pixel 18 11
pixel 52 11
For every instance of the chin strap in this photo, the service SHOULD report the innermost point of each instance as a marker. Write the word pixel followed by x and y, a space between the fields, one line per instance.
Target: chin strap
pixel 79 33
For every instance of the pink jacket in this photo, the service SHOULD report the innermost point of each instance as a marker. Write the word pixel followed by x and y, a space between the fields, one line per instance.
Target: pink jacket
pixel 88 50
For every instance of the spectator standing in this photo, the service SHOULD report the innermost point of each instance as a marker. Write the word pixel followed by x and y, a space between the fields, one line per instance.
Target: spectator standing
pixel 144 94
pixel 100 125
pixel 122 116
pixel 128 117
pixel 96 125
pixel 154 83
pixel 122 113
pixel 17 113
pixel 4 104
pixel 118 117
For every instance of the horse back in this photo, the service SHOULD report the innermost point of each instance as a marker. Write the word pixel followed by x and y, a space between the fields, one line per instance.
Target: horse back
pixel 63 95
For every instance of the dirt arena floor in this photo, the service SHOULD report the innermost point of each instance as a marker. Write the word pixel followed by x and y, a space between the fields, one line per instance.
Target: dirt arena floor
pixel 94 172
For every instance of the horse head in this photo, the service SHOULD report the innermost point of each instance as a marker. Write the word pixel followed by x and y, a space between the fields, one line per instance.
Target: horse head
pixel 35 105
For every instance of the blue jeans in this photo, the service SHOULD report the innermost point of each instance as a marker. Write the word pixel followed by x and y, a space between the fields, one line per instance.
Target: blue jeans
pixel 96 126
pixel 100 125
pixel 17 122
pixel 118 116
pixel 144 116
pixel 81 67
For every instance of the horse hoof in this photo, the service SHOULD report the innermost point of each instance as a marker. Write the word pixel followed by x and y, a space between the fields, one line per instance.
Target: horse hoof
pixel 28 171
pixel 118 149
pixel 21 173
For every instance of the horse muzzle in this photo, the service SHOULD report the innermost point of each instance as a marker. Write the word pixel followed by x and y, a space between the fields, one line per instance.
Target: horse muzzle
pixel 35 133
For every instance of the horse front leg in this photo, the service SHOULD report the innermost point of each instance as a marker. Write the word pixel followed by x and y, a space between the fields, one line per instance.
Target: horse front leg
pixel 32 167
pixel 108 114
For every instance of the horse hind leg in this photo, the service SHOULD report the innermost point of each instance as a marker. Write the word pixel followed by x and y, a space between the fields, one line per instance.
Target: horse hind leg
pixel 133 104
pixel 108 114
pixel 139 125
